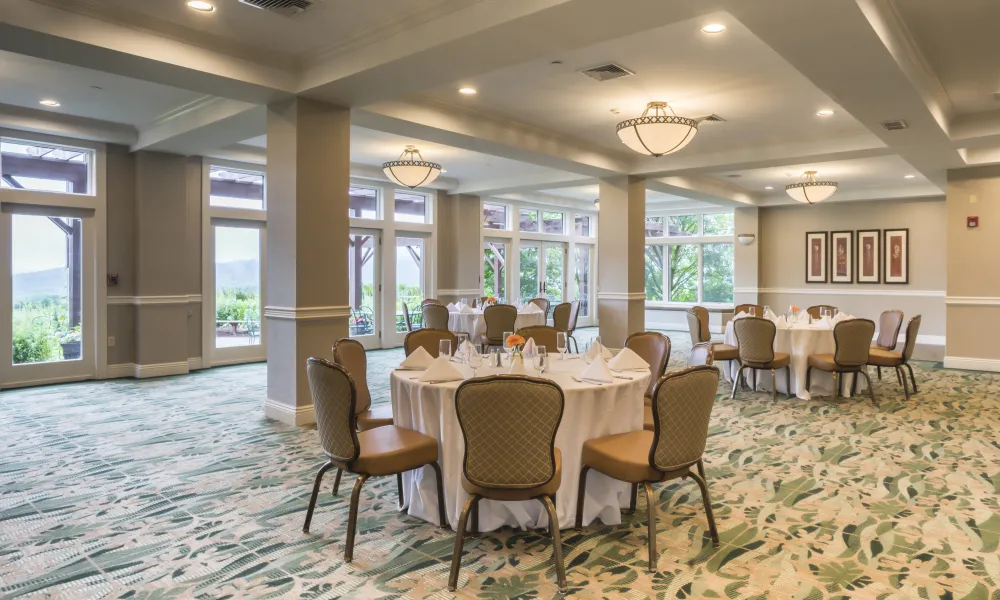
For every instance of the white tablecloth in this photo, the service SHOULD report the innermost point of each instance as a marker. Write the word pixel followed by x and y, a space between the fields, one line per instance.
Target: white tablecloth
pixel 590 412
pixel 799 342
pixel 475 325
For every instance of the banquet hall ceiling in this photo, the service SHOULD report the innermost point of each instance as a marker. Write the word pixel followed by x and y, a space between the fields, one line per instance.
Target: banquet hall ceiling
pixel 193 83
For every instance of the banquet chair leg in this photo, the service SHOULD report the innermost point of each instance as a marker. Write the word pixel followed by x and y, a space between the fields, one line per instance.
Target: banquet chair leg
pixel 871 390
pixel 902 380
pixel 878 371
pixel 788 382
pixel 701 468
pixel 754 379
pixel 580 493
pixel 736 383
pixel 809 372
pixel 456 556
pixel 475 517
pixel 336 482
pixel 899 376
pixel 651 525
pixel 913 379
pixel 838 384
pixel 352 518
pixel 707 501
pixel 557 556
pixel 854 385
pixel 633 499
pixel 442 513
pixel 399 490
pixel 315 494
pixel 774 385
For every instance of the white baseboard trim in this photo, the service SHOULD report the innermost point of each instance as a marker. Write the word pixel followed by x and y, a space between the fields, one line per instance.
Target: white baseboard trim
pixel 971 364
pixel 291 415
pixel 47 381
pixel 121 370
pixel 195 364
pixel 161 370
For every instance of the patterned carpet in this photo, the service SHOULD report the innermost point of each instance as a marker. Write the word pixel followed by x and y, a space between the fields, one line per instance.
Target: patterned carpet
pixel 178 488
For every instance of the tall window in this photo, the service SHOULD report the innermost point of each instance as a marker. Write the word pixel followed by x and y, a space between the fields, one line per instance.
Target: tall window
pixel 237 286
pixel 495 269
pixel 690 260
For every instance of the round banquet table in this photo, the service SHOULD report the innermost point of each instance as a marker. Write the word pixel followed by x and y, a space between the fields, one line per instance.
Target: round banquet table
pixel 798 341
pixel 475 325
pixel 590 411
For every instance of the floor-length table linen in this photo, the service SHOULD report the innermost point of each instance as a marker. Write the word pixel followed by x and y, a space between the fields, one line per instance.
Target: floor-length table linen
pixel 591 411
pixel 474 323
pixel 798 341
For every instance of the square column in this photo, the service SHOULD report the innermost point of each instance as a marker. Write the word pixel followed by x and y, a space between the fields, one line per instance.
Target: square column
pixel 460 226
pixel 621 237
pixel 308 175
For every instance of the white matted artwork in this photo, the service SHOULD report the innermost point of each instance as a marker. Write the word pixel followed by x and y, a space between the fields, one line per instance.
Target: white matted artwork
pixel 816 262
pixel 841 257
pixel 868 255
pixel 896 246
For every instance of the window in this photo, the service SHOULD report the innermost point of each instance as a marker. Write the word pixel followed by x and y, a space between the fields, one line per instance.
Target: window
pixel 494 216
pixel 683 226
pixel 410 276
pixel 411 207
pixel 527 220
pixel 44 167
pixel 232 188
pixel 683 265
pixel 654 227
pixel 552 222
pixel 581 226
pixel 717 269
pixel 495 269
pixel 237 287
pixel 364 202
pixel 654 273
pixel 718 224
pixel 582 276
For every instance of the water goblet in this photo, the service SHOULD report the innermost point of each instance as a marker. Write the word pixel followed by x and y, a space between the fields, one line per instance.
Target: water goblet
pixel 561 344
pixel 475 361
pixel 461 338
pixel 541 359
pixel 444 348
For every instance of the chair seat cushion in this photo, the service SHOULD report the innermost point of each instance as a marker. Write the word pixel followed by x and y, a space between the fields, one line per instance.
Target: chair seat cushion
pixel 884 358
pixel 823 362
pixel 378 416
pixel 624 456
pixel 517 494
pixel 781 360
pixel 725 352
pixel 389 450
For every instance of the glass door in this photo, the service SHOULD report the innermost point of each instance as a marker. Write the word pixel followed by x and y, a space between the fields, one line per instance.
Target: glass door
pixel 411 285
pixel 365 291
pixel 583 255
pixel 542 271
pixel 47 288
pixel 495 269
pixel 237 248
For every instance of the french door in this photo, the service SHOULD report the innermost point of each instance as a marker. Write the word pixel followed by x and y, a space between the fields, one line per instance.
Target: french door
pixel 47 273
pixel 236 250
pixel 410 289
pixel 365 270
pixel 543 271
pixel 583 272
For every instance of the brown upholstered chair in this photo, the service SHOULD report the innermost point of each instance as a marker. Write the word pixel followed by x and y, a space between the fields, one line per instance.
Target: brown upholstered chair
pixel 682 408
pixel 429 339
pixel 814 310
pixel 701 354
pixel 509 423
pixel 755 338
pixel 852 340
pixel 541 303
pixel 499 318
pixel 351 355
pixel 654 348
pixel 560 316
pixel 889 324
pixel 898 360
pixel 574 314
pixel 704 333
pixel 435 316
pixel 745 308
pixel 377 452
pixel 543 336
pixel 698 326
pixel 406 317
pixel 429 301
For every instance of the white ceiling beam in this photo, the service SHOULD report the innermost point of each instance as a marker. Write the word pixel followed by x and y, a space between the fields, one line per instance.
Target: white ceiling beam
pixel 51 123
pixel 214 123
pixel 703 189
pixel 494 187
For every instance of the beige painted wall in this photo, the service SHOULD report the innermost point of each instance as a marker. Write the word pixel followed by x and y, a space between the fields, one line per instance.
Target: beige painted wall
pixel 121 251
pixel 782 258
pixel 973 268
pixel 459 227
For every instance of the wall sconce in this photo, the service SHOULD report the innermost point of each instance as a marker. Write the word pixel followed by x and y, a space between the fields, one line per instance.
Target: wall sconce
pixel 746 238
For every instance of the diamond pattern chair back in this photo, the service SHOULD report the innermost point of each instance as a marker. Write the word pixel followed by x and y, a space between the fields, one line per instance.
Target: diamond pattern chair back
pixel 350 354
pixel 888 329
pixel 499 318
pixel 682 407
pixel 509 423
pixel 543 336
pixel 560 316
pixel 755 338
pixel 694 327
pixel 814 310
pixel 704 334
pixel 654 348
pixel 429 301
pixel 912 328
pixel 701 354
pixel 429 339
pixel 435 316
pixel 853 339
pixel 745 308
pixel 334 398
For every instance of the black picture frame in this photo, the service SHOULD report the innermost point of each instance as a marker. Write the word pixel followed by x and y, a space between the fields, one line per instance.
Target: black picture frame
pixel 849 259
pixel 860 236
pixel 888 250
pixel 821 261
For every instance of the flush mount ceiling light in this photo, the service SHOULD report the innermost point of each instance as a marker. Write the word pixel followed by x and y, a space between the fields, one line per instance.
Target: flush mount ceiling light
pixel 411 169
pixel 768 187
pixel 824 112
pixel 201 5
pixel 811 191
pixel 658 133
pixel 52 103
pixel 468 91
pixel 909 176
pixel 714 28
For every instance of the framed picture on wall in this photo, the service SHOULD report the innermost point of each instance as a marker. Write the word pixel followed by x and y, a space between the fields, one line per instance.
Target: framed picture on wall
pixel 816 262
pixel 896 252
pixel 841 257
pixel 868 255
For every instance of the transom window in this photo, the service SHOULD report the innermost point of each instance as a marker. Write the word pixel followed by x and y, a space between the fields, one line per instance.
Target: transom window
pixel 44 167
pixel 495 216
pixel 364 202
pixel 410 207
pixel 233 188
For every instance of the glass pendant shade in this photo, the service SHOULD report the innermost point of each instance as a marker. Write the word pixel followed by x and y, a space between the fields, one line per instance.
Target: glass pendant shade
pixel 658 133
pixel 411 170
pixel 811 191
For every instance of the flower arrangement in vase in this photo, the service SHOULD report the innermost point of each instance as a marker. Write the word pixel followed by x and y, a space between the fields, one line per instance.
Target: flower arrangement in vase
pixel 516 345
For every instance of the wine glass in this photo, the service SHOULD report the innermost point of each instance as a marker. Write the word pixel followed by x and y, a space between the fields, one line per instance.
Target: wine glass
pixel 561 344
pixel 506 344
pixel 752 310
pixel 462 339
pixel 475 361
pixel 541 359
pixel 767 309
pixel 444 348
pixel 587 357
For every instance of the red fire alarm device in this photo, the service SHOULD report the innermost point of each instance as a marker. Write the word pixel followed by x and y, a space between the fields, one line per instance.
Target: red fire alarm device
pixel 972 222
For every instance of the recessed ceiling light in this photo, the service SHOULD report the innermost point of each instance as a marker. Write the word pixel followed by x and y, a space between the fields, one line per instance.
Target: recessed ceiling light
pixel 52 103
pixel 468 91
pixel 826 112
pixel 201 5
pixel 908 176
pixel 768 187
pixel 714 28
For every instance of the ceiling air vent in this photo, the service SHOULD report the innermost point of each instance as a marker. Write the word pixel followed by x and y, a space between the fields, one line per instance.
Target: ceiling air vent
pixel 712 118
pixel 287 8
pixel 895 125
pixel 607 72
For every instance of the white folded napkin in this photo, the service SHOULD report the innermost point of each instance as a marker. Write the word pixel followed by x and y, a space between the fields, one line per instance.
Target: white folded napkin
pixel 837 318
pixel 770 316
pixel 452 307
pixel 530 308
pixel 598 349
pixel 781 323
pixel 529 347
pixel 466 310
pixel 418 359
pixel 467 349
pixel 442 370
pixel 825 322
pixel 627 360
pixel 597 371
pixel 741 315
pixel 803 317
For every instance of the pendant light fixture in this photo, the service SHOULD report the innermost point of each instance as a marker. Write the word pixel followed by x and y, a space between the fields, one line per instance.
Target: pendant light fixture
pixel 658 133
pixel 411 169
pixel 810 191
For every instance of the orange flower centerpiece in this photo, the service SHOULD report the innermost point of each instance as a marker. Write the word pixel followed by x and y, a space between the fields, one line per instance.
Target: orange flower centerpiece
pixel 516 344
pixel 490 300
